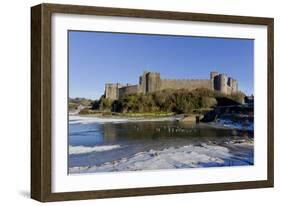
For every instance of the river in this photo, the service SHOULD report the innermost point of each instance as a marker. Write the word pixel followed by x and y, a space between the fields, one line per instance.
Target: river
pixel 120 144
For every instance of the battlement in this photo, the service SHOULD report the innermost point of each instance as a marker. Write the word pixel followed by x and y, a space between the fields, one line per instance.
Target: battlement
pixel 151 82
pixel 185 79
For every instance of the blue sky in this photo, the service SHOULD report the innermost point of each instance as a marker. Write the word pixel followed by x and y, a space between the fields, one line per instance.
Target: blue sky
pixel 96 58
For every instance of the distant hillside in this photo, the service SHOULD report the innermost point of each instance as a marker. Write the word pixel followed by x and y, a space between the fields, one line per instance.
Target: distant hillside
pixel 73 103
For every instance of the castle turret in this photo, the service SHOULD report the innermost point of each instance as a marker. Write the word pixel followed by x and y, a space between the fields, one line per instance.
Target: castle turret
pixel 234 86
pixel 230 82
pixel 112 91
pixel 149 82
pixel 153 81
pixel 222 80
pixel 213 75
pixel 143 82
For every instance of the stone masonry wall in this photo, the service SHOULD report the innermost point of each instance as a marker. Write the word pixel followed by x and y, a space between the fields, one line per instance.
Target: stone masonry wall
pixel 151 82
pixel 111 91
pixel 132 89
pixel 183 83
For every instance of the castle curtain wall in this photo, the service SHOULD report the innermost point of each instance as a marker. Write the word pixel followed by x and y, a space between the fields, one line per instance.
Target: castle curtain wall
pixel 190 84
pixel 132 89
pixel 151 82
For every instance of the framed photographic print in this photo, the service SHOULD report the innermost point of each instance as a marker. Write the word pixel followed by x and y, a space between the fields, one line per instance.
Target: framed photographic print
pixel 130 102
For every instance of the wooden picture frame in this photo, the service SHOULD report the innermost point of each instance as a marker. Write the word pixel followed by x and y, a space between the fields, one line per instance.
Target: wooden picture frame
pixel 41 117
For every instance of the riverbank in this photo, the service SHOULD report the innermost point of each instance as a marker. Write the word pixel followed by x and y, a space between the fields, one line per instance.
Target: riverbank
pixel 229 124
pixel 89 111
pixel 77 118
pixel 219 123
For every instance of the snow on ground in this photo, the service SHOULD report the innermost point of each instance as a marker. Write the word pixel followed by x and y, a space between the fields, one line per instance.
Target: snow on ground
pixel 189 156
pixel 75 119
pixel 84 149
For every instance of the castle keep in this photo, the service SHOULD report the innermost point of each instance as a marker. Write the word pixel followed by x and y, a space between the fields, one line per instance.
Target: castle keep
pixel 151 82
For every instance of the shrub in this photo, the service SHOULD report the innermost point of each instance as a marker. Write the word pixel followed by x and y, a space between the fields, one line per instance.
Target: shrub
pixel 168 100
pixel 85 111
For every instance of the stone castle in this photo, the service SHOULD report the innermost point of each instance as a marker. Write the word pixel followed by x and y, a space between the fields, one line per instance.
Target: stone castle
pixel 151 82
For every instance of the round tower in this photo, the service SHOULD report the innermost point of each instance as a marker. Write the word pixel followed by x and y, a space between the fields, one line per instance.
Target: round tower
pixel 213 74
pixel 222 79
pixel 230 82
pixel 143 83
pixel 234 86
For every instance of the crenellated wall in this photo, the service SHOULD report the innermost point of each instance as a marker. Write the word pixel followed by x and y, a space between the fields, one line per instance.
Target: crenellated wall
pixel 186 83
pixel 130 89
pixel 151 82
